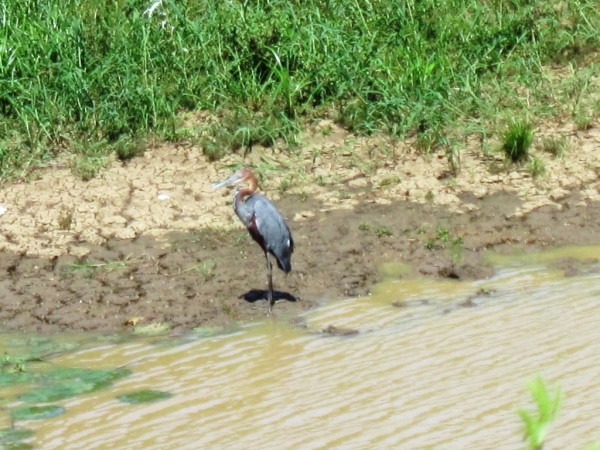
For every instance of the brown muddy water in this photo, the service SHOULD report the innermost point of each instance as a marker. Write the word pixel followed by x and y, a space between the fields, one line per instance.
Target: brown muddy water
pixel 435 364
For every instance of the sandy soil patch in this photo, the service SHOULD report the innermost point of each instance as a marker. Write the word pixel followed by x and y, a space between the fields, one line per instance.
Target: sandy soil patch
pixel 149 241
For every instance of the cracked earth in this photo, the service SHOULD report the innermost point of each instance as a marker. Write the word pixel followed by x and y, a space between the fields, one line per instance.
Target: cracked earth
pixel 148 241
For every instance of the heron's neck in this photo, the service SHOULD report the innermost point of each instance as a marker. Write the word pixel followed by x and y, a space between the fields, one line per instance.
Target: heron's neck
pixel 248 190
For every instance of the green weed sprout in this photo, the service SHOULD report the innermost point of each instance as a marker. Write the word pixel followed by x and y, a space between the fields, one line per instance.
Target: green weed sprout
pixel 555 146
pixel 456 252
pixel 537 167
pixel 537 424
pixel 517 141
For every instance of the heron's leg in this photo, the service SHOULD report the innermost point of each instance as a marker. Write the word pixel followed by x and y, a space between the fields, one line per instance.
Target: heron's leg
pixel 270 269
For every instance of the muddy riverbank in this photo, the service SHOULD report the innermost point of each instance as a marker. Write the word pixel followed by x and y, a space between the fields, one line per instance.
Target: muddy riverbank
pixel 148 242
pixel 212 277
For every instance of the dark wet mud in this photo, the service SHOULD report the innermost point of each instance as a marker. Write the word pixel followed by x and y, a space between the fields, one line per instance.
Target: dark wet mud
pixel 211 277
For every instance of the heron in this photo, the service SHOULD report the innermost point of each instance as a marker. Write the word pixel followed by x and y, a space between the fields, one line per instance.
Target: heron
pixel 263 221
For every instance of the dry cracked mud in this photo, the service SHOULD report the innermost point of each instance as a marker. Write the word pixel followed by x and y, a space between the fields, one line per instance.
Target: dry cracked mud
pixel 149 242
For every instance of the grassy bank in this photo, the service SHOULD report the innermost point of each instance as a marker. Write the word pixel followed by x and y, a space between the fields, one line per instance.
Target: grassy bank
pixel 92 77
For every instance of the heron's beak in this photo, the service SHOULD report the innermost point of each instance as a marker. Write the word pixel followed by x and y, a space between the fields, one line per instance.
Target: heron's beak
pixel 235 178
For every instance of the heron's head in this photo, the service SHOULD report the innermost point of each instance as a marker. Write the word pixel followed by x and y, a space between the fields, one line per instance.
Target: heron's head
pixel 240 176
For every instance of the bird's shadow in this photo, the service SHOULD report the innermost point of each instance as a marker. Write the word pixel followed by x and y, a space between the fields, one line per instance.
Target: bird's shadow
pixel 259 294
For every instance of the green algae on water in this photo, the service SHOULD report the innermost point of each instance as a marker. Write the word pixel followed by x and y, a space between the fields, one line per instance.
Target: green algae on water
pixel 144 396
pixel 13 435
pixel 65 382
pixel 37 412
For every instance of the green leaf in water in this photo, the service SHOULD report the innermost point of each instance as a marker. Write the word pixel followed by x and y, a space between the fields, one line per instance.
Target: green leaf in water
pixel 537 423
pixel 16 446
pixel 37 412
pixel 144 396
pixel 87 375
pixel 12 378
pixel 14 435
pixel 117 374
pixel 56 392
pixel 21 358
pixel 65 382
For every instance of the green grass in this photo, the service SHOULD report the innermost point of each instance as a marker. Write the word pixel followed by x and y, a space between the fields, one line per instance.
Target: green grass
pixel 87 167
pixel 453 154
pixel 457 250
pixel 65 220
pixel 517 141
pixel 537 167
pixel 79 71
pixel 206 268
pixel 583 122
pixel 443 234
pixel 537 423
pixel 88 269
pixel 390 181
pixel 444 238
pixel 284 185
pixel 383 232
pixel 364 226
pixel 556 146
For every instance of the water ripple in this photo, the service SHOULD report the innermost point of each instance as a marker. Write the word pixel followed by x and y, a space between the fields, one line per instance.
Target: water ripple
pixel 432 374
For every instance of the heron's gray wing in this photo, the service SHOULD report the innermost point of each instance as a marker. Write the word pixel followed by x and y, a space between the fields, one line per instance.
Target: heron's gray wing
pixel 274 231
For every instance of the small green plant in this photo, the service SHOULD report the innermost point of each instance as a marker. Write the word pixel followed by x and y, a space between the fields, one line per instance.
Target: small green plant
pixel 65 220
pixel 326 131
pixel 87 167
pixel 430 244
pixel 427 141
pixel 12 365
pixel 556 146
pixel 383 231
pixel 242 129
pixel 240 238
pixel 303 197
pixel 456 251
pixel 453 155
pixel 284 185
pixel 364 226
pixel 441 238
pixel 227 309
pixel 537 423
pixel 536 167
pixel 443 234
pixel 517 140
pixel 320 180
pixel 88 269
pixel 207 269
pixel 429 196
pixel 583 122
pixel 213 150
pixel 127 149
pixel 389 181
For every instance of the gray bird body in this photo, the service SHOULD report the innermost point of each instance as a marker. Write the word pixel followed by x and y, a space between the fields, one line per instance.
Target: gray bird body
pixel 267 227
pixel 264 223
